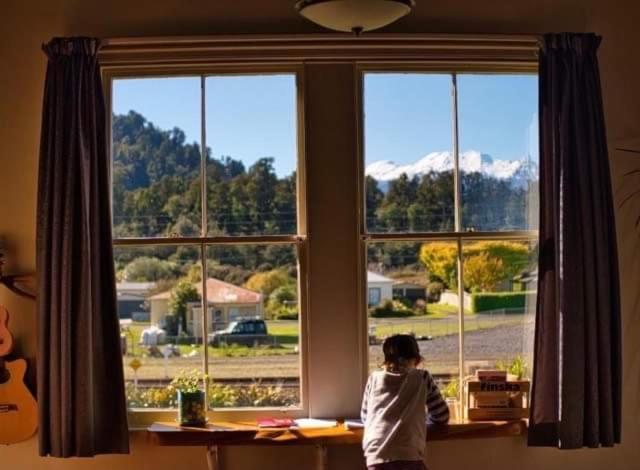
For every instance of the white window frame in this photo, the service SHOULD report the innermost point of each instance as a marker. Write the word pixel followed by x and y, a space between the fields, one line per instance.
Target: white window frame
pixel 333 392
pixel 459 235
pixel 139 417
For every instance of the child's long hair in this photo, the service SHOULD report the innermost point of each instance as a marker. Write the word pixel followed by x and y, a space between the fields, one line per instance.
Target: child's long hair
pixel 399 350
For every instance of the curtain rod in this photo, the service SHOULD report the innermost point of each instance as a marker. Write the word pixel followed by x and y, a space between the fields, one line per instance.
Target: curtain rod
pixel 530 39
pixel 185 50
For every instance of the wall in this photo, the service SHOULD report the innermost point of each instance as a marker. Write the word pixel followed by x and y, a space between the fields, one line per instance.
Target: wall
pixel 25 25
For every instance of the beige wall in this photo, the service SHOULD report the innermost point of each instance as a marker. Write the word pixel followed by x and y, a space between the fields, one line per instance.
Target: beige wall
pixel 26 24
pixel 159 309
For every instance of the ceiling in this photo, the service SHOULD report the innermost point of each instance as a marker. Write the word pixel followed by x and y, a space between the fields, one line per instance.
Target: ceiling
pixel 200 17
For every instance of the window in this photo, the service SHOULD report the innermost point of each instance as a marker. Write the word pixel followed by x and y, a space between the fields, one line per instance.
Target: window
pixel 450 217
pixel 375 294
pixel 205 213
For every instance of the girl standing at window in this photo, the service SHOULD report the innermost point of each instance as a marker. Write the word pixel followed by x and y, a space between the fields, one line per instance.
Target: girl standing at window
pixel 394 408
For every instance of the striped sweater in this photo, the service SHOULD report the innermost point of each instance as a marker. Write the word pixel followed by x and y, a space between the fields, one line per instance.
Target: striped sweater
pixel 395 415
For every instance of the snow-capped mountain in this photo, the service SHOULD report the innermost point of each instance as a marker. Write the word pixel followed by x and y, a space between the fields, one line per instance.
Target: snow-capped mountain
pixel 519 172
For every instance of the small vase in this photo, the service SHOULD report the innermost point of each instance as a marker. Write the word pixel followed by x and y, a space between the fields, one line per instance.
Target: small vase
pixel 192 410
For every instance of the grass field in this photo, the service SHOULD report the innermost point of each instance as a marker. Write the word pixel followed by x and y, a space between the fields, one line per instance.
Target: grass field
pixel 284 360
pixel 441 321
pixel 427 326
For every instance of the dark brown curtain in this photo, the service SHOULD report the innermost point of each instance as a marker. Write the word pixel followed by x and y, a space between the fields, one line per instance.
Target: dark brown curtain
pixel 81 398
pixel 576 397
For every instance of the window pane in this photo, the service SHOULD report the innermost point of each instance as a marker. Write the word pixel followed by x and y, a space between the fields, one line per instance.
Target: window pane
pixel 500 280
pixel 498 116
pixel 408 159
pixel 254 357
pixel 156 294
pixel 251 166
pixel 417 282
pixel 156 157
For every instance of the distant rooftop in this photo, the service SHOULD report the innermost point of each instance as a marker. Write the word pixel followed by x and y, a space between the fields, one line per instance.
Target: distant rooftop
pixel 135 286
pixel 220 292
pixel 375 277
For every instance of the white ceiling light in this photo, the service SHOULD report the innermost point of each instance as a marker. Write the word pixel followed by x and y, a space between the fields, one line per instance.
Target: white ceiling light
pixel 354 15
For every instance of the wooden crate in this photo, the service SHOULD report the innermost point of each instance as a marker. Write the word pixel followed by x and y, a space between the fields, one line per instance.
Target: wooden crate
pixel 511 398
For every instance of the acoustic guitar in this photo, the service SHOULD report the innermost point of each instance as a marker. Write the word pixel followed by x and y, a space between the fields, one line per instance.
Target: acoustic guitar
pixel 6 340
pixel 18 408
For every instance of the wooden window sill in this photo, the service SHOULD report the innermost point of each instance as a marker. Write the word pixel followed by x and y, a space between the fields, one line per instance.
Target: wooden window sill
pixel 246 433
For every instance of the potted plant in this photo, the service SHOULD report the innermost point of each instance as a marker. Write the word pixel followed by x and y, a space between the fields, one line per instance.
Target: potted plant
pixel 192 409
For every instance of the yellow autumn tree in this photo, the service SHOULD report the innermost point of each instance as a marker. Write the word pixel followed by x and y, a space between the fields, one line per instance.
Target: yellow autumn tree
pixel 486 263
pixel 268 281
pixel 439 258
pixel 483 272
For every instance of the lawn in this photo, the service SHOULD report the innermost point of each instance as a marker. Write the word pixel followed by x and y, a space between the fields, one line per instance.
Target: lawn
pixel 440 321
pixel 262 362
pixel 441 310
pixel 439 326
pixel 284 332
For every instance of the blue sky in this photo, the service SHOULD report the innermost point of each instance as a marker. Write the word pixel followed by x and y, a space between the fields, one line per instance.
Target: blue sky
pixel 406 115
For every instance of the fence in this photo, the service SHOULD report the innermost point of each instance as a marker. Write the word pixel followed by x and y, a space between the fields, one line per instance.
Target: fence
pixel 432 327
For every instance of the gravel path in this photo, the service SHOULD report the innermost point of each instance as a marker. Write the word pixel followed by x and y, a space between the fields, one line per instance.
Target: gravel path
pixel 483 348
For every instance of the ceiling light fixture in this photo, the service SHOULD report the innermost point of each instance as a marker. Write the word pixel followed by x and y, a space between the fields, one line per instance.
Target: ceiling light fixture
pixel 354 15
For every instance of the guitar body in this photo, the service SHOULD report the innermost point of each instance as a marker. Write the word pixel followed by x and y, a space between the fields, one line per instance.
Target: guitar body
pixel 18 408
pixel 6 340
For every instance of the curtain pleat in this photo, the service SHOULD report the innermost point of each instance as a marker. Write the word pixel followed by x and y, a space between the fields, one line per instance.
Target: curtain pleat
pixel 82 408
pixel 576 396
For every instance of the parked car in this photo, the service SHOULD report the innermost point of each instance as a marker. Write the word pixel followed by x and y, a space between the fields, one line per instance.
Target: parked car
pixel 243 332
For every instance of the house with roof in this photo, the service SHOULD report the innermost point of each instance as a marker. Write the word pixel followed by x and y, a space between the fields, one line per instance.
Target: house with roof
pixel 226 303
pixel 379 289
pixel 131 297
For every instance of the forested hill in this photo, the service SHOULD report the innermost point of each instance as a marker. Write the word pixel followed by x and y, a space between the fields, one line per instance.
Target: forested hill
pixel 156 187
pixel 157 192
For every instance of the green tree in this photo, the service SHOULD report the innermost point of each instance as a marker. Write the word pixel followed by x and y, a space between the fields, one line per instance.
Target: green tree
pixel 149 269
pixel 282 301
pixel 393 210
pixel 373 199
pixel 183 293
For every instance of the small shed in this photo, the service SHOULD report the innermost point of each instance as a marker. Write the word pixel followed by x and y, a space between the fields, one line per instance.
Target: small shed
pixel 409 290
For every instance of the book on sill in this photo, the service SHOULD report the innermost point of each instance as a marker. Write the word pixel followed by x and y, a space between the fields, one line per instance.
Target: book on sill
pixel 301 423
pixel 313 423
pixel 275 423
pixel 491 375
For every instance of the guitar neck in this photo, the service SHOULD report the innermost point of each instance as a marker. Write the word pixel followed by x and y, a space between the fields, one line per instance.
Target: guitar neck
pixel 7 407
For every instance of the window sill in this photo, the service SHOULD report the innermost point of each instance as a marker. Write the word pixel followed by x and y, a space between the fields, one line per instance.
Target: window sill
pixel 247 433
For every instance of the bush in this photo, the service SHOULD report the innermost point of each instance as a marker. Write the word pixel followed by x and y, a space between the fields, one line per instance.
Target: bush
pixel 268 281
pixel 283 315
pixel 517 366
pixel 219 396
pixel 391 308
pixel 487 301
pixel 282 304
pixel 434 291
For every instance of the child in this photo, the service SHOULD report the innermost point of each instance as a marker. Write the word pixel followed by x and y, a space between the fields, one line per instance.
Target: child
pixel 393 408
